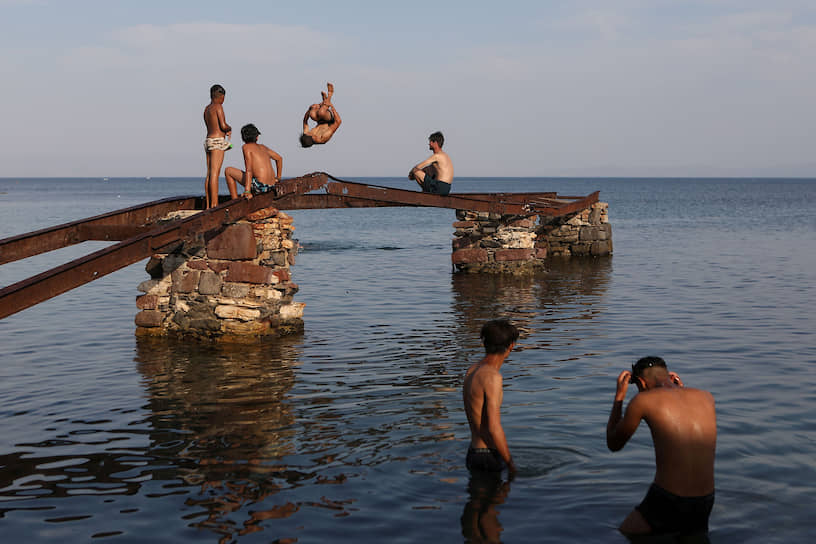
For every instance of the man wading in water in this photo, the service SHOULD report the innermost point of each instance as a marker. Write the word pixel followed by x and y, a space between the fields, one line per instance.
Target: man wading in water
pixel 482 394
pixel 684 431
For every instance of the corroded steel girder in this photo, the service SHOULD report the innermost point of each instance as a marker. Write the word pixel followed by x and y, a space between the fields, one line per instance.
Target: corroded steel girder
pixel 152 239
pixel 345 194
pixel 116 225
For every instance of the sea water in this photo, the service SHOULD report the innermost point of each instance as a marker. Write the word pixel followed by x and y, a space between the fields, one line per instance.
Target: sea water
pixel 354 430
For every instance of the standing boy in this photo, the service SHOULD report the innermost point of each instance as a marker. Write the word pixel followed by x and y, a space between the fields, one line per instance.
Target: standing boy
pixel 217 141
pixel 482 394
pixel 260 176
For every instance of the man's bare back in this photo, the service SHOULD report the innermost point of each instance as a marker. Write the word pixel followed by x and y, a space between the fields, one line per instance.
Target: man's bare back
pixel 444 166
pixel 683 424
pixel 214 120
pixel 257 160
pixel 482 390
pixel 260 175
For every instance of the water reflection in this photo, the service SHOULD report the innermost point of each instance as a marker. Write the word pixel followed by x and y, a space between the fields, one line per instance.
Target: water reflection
pixel 480 517
pixel 219 416
pixel 536 303
pixel 208 445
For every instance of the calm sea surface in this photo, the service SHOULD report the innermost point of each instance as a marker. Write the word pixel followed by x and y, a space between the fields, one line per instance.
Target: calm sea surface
pixel 354 432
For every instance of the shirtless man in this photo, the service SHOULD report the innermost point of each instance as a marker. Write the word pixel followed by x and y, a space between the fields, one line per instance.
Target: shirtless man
pixel 684 432
pixel 434 174
pixel 259 177
pixel 326 117
pixel 218 134
pixel 482 394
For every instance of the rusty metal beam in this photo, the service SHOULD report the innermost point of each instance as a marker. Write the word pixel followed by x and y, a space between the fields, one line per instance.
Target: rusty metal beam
pixel 112 233
pixel 324 201
pixel 345 194
pixel 91 228
pixel 566 208
pixel 514 197
pixel 31 291
pixel 415 198
pixel 302 184
pixel 531 207
pixel 352 194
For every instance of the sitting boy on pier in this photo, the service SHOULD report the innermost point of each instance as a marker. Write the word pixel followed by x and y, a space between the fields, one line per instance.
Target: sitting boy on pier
pixel 326 117
pixel 260 176
pixel 434 174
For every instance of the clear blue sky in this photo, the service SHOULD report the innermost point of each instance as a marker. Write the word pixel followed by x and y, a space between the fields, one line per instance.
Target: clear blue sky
pixel 538 88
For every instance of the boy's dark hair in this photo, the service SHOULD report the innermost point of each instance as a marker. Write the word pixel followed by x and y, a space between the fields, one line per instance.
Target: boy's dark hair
pixel 438 138
pixel 497 335
pixel 250 133
pixel 306 140
pixel 216 90
pixel 643 363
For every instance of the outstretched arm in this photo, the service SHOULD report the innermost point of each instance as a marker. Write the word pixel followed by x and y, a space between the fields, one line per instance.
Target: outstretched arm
pixel 621 427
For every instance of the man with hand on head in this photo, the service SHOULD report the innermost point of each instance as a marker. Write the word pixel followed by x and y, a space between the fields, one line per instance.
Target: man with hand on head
pixel 683 424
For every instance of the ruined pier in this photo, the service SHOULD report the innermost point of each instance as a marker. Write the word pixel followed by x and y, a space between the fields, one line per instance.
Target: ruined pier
pixel 225 273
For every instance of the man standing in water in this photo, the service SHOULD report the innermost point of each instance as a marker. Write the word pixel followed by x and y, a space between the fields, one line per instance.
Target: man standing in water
pixel 684 431
pixel 482 394
pixel 434 174
pixel 217 141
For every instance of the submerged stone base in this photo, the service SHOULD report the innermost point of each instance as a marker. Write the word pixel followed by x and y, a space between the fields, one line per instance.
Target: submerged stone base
pixel 495 243
pixel 233 285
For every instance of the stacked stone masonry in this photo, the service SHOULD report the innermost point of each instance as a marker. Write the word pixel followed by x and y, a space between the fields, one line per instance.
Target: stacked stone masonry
pixel 495 243
pixel 232 285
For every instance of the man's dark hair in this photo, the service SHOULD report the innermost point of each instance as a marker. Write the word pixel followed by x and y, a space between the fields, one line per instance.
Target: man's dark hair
pixel 216 90
pixel 497 335
pixel 643 363
pixel 438 138
pixel 306 140
pixel 250 133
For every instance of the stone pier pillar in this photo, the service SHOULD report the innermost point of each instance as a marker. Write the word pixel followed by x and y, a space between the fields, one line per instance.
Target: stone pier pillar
pixel 233 285
pixel 496 243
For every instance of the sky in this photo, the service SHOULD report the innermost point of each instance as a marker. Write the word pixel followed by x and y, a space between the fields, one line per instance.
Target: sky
pixel 647 88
